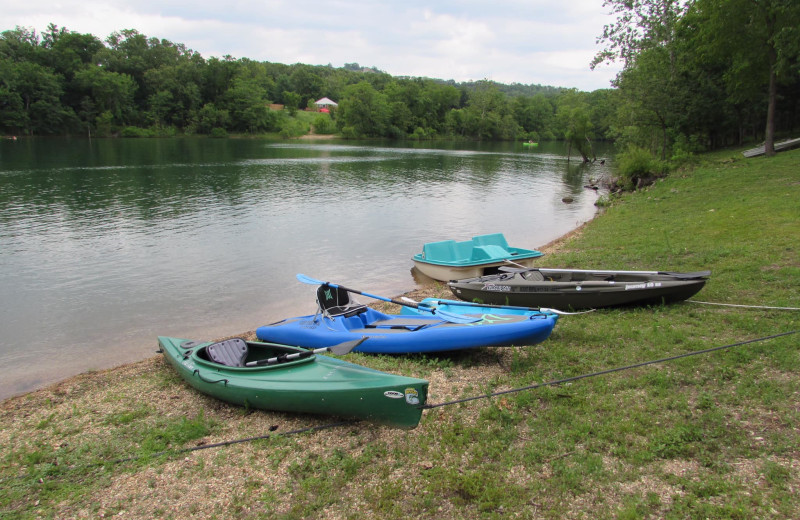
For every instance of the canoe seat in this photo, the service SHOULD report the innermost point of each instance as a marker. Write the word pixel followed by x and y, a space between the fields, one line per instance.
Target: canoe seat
pixel 231 352
pixel 335 301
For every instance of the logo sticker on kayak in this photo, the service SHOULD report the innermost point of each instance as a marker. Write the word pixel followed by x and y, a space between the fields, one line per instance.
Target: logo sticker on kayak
pixel 498 288
pixel 412 396
pixel 647 285
pixel 394 394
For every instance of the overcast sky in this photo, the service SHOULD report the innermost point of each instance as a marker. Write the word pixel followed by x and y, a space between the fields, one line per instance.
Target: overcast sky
pixel 547 42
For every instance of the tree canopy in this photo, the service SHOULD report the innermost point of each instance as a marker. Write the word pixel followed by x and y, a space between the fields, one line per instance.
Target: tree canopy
pixel 697 75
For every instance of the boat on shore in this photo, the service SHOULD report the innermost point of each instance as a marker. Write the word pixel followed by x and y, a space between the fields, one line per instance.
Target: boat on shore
pixel 447 260
pixel 579 288
pixel 285 378
pixel 409 334
pixel 780 146
pixel 340 319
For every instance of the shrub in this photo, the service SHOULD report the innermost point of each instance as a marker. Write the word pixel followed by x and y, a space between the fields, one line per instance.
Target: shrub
pixel 637 167
pixel 323 124
pixel 135 131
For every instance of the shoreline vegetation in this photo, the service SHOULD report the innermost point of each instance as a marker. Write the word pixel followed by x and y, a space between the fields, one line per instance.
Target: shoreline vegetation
pixel 709 436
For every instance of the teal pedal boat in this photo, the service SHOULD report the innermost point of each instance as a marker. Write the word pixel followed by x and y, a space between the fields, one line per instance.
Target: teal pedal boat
pixel 450 260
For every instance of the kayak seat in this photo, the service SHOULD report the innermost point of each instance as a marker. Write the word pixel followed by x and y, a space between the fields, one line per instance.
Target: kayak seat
pixel 231 352
pixel 533 276
pixel 335 301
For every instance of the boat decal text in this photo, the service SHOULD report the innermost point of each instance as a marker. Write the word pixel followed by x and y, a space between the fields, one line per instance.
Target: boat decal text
pixel 648 285
pixel 412 396
pixel 495 287
pixel 393 394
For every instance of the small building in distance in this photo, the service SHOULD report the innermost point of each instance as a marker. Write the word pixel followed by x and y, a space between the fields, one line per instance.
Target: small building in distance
pixel 325 104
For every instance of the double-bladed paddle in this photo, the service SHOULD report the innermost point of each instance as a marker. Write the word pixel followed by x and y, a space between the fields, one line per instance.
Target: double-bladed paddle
pixel 340 350
pixel 446 316
pixel 543 310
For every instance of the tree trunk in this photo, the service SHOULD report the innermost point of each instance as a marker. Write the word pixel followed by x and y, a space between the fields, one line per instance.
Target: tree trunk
pixel 769 134
pixel 772 57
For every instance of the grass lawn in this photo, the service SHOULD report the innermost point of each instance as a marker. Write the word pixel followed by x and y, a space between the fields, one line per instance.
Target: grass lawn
pixel 710 436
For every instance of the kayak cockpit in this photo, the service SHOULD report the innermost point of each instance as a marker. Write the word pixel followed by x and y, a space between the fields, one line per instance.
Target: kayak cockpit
pixel 236 353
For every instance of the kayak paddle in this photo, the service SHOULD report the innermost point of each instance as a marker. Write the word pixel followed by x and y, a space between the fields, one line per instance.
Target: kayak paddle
pixel 340 350
pixel 543 310
pixel 446 316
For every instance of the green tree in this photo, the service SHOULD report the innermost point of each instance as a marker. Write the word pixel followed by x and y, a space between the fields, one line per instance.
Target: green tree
pixel 363 111
pixel 574 115
pixel 653 95
pixel 248 108
pixel 488 114
pixel 107 92
pixel 760 39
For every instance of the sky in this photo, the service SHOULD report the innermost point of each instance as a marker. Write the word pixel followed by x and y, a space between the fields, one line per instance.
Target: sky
pixel 545 42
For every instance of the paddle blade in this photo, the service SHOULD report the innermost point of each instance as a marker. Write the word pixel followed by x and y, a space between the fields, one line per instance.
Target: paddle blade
pixel 345 348
pixel 307 279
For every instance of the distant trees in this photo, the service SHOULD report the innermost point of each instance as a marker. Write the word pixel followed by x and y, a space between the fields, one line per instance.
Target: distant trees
pixel 697 74
pixel 61 82
pixel 700 74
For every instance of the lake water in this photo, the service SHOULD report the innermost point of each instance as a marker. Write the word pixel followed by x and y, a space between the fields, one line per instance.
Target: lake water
pixel 106 244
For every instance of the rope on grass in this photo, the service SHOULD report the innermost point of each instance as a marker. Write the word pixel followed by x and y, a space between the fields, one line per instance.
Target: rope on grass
pixel 134 458
pixel 748 306
pixel 427 406
pixel 609 371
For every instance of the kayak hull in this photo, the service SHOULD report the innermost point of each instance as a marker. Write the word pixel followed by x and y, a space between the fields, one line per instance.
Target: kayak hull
pixel 565 289
pixel 407 334
pixel 314 384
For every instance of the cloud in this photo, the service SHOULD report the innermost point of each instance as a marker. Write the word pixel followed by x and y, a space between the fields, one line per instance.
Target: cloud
pixel 533 41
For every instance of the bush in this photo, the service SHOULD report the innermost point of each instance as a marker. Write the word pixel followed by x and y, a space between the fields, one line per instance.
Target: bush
pixel 292 128
pixel 637 167
pixel 218 132
pixel 636 162
pixel 323 124
pixel 135 131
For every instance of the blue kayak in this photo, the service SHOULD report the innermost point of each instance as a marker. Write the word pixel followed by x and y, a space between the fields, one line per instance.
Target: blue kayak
pixel 406 334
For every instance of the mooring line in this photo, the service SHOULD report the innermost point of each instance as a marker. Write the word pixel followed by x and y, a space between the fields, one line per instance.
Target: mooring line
pixel 232 442
pixel 427 406
pixel 187 450
pixel 604 372
pixel 747 306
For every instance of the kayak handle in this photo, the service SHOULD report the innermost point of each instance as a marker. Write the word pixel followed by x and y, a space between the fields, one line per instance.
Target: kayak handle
pixel 203 379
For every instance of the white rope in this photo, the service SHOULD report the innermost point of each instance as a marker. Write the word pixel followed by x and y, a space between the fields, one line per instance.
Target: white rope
pixel 748 306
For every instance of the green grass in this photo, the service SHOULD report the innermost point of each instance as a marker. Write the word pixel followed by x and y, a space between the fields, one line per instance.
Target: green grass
pixel 709 436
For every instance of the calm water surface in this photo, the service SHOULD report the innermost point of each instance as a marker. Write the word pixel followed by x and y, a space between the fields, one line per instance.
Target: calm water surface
pixel 106 244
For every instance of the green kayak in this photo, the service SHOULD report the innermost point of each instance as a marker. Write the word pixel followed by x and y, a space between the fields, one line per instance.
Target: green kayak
pixel 306 382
